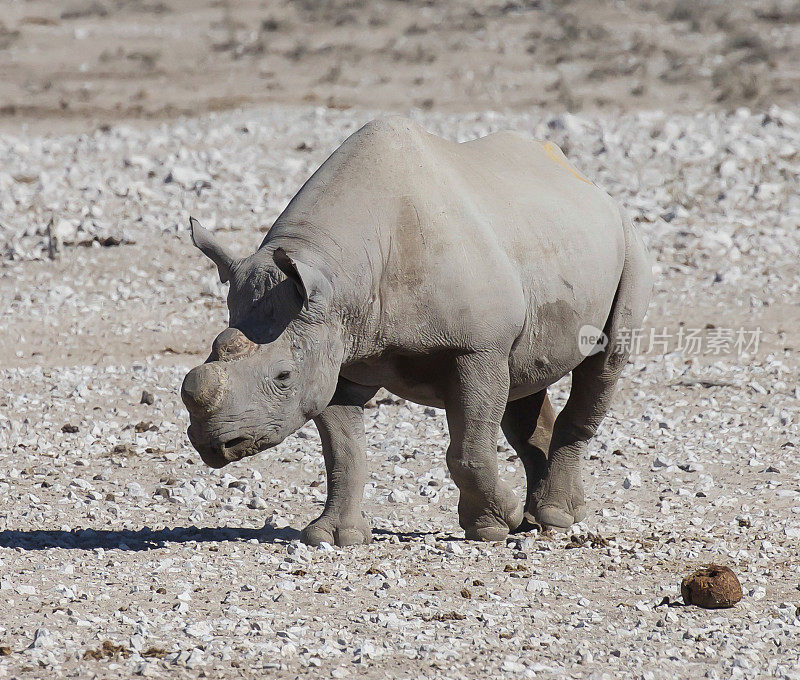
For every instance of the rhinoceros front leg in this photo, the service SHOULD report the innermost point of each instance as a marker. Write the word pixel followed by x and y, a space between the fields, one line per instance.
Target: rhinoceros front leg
pixel 341 429
pixel 487 507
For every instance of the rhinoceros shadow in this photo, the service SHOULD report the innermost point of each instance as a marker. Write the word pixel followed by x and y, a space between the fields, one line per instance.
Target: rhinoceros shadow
pixel 140 539
pixel 150 539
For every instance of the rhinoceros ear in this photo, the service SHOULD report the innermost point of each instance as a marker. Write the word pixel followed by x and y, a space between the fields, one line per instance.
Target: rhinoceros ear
pixel 212 248
pixel 310 281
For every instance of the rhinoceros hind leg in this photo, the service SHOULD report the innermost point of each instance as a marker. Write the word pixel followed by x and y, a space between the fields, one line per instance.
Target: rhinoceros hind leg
pixel 528 426
pixel 341 429
pixel 487 507
pixel 559 500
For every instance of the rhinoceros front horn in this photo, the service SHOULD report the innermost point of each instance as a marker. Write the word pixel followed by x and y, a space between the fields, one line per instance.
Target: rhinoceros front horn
pixel 203 388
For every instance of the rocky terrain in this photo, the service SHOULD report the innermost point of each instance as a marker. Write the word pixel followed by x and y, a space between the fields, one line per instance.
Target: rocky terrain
pixel 120 553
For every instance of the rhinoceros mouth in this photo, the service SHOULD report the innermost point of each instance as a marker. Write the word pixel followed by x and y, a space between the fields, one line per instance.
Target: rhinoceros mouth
pixel 216 452
pixel 217 449
pixel 238 447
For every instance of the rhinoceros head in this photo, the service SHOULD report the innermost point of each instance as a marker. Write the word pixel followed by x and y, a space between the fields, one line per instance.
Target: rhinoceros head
pixel 277 363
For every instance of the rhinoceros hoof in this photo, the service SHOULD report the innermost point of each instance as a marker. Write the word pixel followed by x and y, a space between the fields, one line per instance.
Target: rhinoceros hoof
pixel 322 531
pixel 558 518
pixel 492 528
pixel 490 534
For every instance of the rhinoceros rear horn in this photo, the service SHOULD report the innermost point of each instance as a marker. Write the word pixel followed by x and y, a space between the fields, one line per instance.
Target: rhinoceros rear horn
pixel 212 248
pixel 310 281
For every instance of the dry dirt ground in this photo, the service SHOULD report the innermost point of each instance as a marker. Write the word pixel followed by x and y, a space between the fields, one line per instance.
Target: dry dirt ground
pixel 121 554
pixel 107 59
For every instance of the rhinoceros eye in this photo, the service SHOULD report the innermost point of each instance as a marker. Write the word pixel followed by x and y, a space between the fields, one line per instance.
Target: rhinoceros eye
pixel 283 376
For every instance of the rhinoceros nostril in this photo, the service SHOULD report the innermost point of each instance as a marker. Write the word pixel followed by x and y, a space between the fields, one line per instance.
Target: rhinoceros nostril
pixel 236 441
pixel 231 344
pixel 202 388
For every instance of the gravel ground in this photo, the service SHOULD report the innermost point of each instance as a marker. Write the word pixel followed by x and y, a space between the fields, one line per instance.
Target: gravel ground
pixel 120 553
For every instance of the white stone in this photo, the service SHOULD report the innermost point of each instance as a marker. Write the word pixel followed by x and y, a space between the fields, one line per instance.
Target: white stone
pixel 188 178
pixel 537 586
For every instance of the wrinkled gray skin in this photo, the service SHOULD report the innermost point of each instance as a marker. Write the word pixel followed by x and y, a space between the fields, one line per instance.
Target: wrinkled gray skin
pixel 454 275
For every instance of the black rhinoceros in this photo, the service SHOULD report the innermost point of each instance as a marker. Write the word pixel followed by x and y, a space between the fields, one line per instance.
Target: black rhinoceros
pixel 454 275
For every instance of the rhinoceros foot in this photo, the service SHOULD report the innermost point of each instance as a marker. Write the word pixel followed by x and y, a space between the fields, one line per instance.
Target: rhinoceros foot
pixel 559 502
pixel 494 522
pixel 560 519
pixel 329 530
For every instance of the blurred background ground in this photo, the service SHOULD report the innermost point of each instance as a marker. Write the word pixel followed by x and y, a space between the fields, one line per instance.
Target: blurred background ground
pixel 78 63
